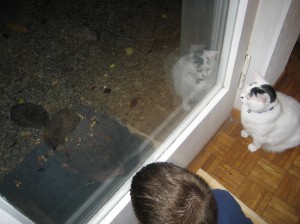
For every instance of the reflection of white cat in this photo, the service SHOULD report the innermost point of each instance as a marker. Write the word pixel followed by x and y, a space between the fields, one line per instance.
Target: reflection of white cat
pixel 190 74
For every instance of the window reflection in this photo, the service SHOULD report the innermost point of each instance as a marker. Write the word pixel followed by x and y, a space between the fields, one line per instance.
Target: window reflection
pixel 90 89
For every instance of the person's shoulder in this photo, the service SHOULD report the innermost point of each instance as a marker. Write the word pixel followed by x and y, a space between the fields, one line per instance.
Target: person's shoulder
pixel 224 197
pixel 229 210
pixel 222 193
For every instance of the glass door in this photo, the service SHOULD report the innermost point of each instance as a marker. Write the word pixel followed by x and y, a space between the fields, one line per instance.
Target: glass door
pixel 103 88
pixel 204 119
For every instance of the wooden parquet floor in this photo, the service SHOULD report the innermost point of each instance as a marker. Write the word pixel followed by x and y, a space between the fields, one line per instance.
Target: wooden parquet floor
pixel 266 182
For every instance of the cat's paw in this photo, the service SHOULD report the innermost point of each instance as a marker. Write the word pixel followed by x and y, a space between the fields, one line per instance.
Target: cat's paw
pixel 244 133
pixel 252 147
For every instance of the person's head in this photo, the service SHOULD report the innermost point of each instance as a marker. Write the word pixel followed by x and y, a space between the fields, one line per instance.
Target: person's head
pixel 165 193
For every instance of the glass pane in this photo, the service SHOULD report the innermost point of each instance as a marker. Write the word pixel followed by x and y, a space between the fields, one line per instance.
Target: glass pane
pixel 91 89
pixel 203 27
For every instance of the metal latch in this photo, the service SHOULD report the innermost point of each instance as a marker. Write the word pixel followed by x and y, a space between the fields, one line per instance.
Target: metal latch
pixel 244 71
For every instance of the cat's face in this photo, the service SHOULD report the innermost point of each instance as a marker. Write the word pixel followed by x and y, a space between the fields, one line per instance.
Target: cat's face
pixel 259 96
pixel 202 64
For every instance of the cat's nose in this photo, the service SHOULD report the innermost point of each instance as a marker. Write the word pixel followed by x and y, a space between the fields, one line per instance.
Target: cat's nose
pixel 242 97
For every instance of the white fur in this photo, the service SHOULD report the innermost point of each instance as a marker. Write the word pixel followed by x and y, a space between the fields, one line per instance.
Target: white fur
pixel 190 78
pixel 273 126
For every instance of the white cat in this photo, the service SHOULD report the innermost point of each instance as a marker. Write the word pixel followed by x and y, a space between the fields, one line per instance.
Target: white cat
pixel 271 118
pixel 190 74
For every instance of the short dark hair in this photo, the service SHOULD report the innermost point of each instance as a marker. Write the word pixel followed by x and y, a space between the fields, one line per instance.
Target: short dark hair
pixel 166 193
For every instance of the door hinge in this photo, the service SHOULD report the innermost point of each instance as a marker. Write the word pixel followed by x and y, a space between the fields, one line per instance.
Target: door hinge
pixel 244 71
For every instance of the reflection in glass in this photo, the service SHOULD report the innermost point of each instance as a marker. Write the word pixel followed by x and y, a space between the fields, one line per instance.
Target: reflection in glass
pixel 90 90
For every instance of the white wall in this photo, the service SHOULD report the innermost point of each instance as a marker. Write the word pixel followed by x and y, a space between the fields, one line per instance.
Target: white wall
pixel 275 32
pixel 285 43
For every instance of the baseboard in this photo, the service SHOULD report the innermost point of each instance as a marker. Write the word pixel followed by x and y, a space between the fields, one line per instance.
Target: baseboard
pixel 236 114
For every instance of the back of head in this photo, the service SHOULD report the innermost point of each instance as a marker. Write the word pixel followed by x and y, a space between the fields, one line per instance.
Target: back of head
pixel 165 193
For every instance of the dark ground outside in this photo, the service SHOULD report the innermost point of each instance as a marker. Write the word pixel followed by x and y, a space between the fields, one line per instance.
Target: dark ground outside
pixel 109 55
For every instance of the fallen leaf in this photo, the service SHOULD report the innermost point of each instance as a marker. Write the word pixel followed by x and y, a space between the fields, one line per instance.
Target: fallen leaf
pixel 129 50
pixel 107 90
pixel 134 102
pixel 18 183
pixel 164 16
pixel 42 158
pixel 21 100
pixel 93 123
pixel 54 82
pixel 25 133
pixel 17 27
pixel 37 141
pixel 65 165
pixel 112 66
pixel 109 138
pixel 3 169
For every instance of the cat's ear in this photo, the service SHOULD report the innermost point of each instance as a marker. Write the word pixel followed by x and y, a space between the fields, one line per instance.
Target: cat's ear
pixel 214 53
pixel 258 77
pixel 211 54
